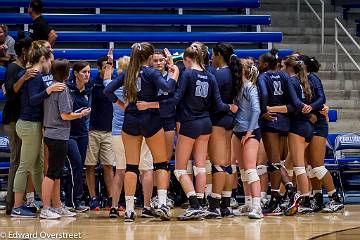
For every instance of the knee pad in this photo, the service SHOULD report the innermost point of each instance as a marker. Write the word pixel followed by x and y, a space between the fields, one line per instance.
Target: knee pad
pixel 299 170
pixel 162 166
pixel 216 169
pixel 234 169
pixel 252 176
pixel 320 172
pixel 261 170
pixel 132 168
pixel 243 176
pixel 208 166
pixel 179 172
pixel 198 170
pixel 189 167
pixel 290 172
pixel 275 167
pixel 228 169
pixel 309 171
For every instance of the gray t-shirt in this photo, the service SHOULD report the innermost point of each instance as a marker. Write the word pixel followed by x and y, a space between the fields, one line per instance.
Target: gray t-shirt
pixel 10 43
pixel 54 105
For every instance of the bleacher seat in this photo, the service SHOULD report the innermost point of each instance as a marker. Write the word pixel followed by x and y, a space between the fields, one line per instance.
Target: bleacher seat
pixel 137 4
pixel 142 19
pixel 350 4
pixel 332 115
pixel 174 37
pixel 93 54
pixel 4 144
pixel 357 27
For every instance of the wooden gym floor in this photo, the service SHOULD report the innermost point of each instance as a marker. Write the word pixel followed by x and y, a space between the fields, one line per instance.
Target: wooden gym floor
pixel 97 225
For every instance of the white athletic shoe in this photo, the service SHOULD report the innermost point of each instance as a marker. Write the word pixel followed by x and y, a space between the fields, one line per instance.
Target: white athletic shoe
pixel 46 213
pixel 243 210
pixel 256 213
pixel 233 203
pixel 63 212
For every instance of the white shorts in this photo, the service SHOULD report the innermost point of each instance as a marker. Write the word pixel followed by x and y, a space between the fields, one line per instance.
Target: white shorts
pixel 146 160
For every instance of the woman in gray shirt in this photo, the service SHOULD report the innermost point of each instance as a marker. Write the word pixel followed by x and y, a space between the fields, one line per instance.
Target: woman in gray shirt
pixel 58 111
pixel 247 132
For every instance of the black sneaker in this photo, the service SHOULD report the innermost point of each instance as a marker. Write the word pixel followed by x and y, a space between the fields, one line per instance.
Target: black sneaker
pixel 147 213
pixel 227 212
pixel 274 208
pixel 113 213
pixel 129 217
pixel 203 203
pixel 163 212
pixel 185 205
pixel 305 205
pixel 335 204
pixel 213 213
pixel 192 214
pixel 293 206
pixel 318 202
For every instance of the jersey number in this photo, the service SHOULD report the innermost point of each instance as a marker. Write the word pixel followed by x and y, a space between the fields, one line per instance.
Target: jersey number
pixel 202 89
pixel 278 90
pixel 138 84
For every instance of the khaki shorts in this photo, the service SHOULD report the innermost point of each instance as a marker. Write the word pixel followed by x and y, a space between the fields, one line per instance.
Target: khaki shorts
pixel 146 160
pixel 100 148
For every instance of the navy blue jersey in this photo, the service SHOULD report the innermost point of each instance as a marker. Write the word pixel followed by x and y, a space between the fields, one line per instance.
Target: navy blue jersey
pixel 32 95
pixel 197 93
pixel 318 100
pixel 166 112
pixel 101 108
pixel 300 94
pixel 148 84
pixel 79 127
pixel 275 90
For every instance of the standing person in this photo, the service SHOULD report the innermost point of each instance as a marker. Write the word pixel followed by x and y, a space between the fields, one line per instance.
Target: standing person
pixel 7 43
pixel 40 29
pixel 29 125
pixel 227 74
pixel 146 161
pixel 248 135
pixel 195 96
pixel 275 91
pixel 58 112
pixel 315 152
pixel 80 91
pixel 11 110
pixel 100 138
pixel 142 83
pixel 300 133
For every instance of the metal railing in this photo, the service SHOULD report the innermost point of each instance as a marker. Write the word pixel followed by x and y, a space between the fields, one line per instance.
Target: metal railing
pixel 321 19
pixel 339 44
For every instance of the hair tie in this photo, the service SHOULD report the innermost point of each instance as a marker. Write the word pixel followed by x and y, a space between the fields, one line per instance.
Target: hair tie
pixel 138 45
pixel 233 56
pixel 194 48
pixel 300 62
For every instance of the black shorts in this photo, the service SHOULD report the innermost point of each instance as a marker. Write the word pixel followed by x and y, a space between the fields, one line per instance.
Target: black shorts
pixel 302 128
pixel 321 128
pixel 223 120
pixel 195 128
pixel 256 133
pixel 168 124
pixel 57 155
pixel 145 123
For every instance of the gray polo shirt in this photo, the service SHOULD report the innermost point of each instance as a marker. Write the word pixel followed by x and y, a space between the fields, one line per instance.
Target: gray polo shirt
pixel 54 105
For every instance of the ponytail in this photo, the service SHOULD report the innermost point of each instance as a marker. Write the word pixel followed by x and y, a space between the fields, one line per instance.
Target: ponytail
pixel 236 71
pixel 139 54
pixel 312 65
pixel 194 52
pixel 271 58
pixel 37 50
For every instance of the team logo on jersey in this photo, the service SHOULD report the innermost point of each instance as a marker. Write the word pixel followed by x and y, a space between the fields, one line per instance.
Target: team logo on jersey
pixel 202 89
pixel 47 79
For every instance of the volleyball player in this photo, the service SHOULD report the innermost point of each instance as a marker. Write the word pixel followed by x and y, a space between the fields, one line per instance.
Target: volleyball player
pixel 315 153
pixel 274 89
pixel 228 72
pixel 141 83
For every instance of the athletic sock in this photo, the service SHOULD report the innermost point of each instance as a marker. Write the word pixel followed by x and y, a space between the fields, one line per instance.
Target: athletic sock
pixel 162 194
pixel 248 201
pixel 208 190
pixel 256 202
pixel 129 204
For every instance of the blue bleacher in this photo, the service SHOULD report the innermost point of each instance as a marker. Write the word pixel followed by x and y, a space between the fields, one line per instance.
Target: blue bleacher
pixel 137 3
pixel 93 54
pixel 350 4
pixel 143 19
pixel 174 37
pixel 357 27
